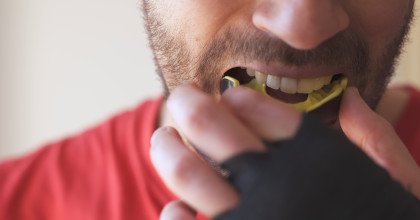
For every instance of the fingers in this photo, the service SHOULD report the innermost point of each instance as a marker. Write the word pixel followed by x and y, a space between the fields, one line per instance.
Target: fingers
pixel 209 125
pixel 188 176
pixel 377 138
pixel 177 210
pixel 268 118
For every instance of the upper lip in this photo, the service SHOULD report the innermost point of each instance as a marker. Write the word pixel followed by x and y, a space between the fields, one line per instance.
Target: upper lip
pixel 296 72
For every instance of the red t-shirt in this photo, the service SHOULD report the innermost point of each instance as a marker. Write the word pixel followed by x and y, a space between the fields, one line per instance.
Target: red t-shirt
pixel 106 173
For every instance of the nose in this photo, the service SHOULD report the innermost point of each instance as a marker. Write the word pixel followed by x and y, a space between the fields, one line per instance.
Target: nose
pixel 302 24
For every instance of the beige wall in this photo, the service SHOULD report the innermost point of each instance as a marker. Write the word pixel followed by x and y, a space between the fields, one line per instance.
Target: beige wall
pixel 65 65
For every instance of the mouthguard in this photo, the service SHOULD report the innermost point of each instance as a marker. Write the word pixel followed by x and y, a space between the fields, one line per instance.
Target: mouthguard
pixel 315 99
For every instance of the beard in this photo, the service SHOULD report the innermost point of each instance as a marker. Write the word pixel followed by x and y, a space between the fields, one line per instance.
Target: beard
pixel 176 65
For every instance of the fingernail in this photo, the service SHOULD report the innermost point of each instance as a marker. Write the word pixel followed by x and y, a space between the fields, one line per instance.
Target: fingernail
pixel 159 132
pixel 180 98
pixel 180 91
pixel 352 93
pixel 353 90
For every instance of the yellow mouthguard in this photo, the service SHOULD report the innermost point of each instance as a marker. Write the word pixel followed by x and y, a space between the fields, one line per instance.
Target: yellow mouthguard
pixel 315 99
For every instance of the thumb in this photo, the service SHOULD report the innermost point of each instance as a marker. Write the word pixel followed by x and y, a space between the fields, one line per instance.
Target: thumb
pixel 377 138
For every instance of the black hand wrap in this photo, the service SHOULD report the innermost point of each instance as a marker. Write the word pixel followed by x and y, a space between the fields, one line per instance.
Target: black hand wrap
pixel 319 174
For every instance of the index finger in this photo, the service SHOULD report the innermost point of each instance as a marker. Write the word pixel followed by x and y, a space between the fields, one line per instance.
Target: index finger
pixel 269 118
pixel 210 126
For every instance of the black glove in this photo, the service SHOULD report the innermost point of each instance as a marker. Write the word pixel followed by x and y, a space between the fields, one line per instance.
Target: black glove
pixel 319 174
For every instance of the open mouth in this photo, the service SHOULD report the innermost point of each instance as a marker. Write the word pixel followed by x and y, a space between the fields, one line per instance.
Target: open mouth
pixel 303 94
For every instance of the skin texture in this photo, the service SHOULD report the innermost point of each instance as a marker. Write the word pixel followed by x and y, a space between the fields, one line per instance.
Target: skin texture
pixel 205 191
pixel 196 42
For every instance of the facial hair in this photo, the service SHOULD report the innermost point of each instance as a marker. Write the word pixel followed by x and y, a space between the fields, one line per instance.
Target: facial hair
pixel 347 50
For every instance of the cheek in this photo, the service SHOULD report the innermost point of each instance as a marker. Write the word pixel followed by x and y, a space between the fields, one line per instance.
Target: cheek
pixel 380 21
pixel 196 21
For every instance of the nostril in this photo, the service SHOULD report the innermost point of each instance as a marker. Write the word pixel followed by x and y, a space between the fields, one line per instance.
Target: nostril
pixel 302 24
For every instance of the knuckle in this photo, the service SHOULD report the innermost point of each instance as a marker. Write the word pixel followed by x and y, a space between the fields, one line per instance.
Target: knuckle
pixel 199 116
pixel 174 211
pixel 388 161
pixel 375 142
pixel 373 136
pixel 181 173
pixel 161 137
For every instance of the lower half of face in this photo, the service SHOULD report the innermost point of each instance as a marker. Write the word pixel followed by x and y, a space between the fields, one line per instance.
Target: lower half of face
pixel 239 49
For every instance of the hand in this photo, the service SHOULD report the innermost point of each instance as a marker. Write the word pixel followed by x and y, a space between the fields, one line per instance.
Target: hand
pixel 236 125
pixel 219 133
pixel 377 138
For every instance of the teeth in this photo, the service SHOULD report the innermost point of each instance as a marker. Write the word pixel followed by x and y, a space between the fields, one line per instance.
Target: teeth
pixel 260 77
pixel 318 83
pixel 273 82
pixel 288 85
pixel 310 85
pixel 305 86
pixel 250 72
pixel 327 80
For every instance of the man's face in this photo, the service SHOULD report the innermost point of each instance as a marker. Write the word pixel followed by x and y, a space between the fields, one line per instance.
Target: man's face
pixel 296 44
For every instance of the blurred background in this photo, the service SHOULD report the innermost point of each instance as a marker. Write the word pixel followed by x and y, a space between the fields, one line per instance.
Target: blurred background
pixel 67 65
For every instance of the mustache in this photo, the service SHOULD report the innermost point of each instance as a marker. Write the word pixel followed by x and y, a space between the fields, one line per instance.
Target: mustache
pixel 249 44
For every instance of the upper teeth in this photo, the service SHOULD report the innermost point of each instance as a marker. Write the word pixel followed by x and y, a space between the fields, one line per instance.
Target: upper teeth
pixel 290 85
